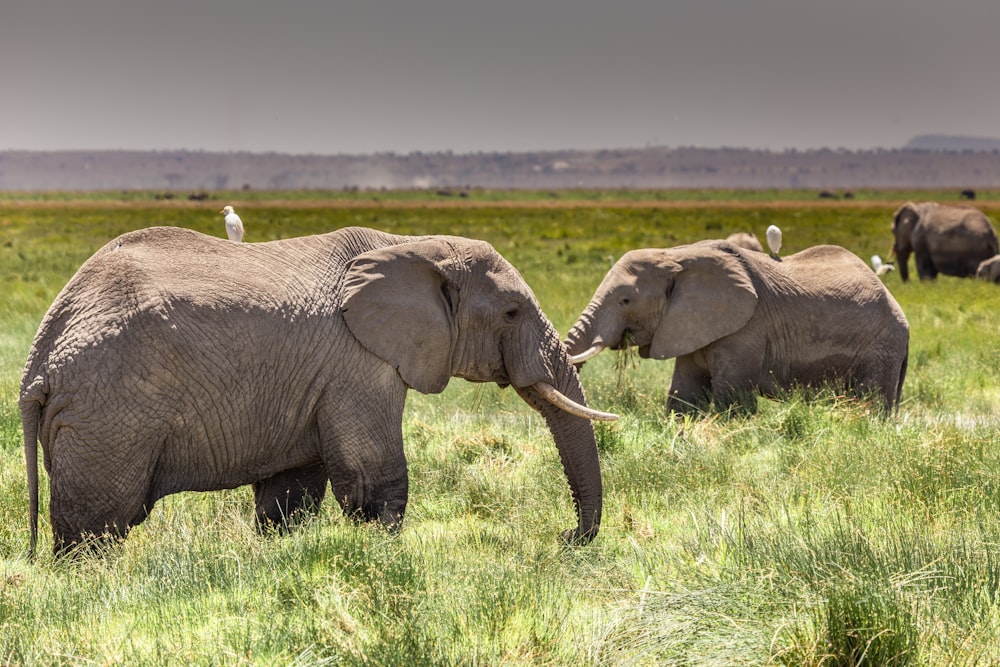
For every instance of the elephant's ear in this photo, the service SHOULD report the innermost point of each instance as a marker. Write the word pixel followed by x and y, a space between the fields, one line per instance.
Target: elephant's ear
pixel 712 296
pixel 906 214
pixel 398 303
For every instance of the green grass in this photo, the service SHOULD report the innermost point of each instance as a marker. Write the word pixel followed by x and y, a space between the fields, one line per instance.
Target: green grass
pixel 810 533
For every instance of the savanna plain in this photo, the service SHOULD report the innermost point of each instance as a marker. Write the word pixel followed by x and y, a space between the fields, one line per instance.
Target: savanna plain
pixel 814 532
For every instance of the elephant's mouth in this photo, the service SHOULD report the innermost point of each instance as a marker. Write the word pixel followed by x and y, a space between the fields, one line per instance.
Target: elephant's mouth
pixel 628 339
pixel 644 351
pixel 623 342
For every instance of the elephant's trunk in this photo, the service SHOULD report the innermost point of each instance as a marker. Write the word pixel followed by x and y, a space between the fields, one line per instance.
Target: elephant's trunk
pixel 582 340
pixel 577 446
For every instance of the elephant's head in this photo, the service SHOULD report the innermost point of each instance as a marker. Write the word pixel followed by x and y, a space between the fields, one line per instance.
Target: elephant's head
pixel 903 221
pixel 446 306
pixel 668 302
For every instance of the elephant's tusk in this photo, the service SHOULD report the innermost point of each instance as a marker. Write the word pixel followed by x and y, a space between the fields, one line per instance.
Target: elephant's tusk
pixel 586 355
pixel 553 396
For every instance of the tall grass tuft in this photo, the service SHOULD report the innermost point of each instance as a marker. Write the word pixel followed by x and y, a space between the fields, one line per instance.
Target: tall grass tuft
pixel 857 623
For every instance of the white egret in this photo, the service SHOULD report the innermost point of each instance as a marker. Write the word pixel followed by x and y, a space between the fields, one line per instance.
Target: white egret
pixel 234 226
pixel 879 267
pixel 773 235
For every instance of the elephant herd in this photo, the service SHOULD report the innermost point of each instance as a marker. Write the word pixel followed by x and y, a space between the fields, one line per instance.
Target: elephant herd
pixel 174 361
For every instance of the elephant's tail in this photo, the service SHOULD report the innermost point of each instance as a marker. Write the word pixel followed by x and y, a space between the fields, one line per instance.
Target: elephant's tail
pixel 31 416
pixel 902 376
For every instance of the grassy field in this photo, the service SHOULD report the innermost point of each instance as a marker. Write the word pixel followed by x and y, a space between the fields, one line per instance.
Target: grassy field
pixel 811 533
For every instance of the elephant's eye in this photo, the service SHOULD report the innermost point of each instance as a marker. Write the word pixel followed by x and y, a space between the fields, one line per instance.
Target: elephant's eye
pixel 511 313
pixel 626 301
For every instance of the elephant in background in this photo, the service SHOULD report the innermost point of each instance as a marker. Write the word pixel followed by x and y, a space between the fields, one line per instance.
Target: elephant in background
pixel 745 240
pixel 950 240
pixel 989 269
pixel 740 322
pixel 175 361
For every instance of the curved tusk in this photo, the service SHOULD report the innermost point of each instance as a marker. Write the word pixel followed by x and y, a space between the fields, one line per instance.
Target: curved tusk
pixel 553 396
pixel 586 354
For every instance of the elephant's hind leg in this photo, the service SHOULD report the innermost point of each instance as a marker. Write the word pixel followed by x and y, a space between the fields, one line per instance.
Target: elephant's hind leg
pixel 99 487
pixel 883 384
pixel 926 268
pixel 88 509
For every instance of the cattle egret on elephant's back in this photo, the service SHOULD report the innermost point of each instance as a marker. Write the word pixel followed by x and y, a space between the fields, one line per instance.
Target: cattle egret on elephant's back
pixel 234 226
pixel 879 267
pixel 773 235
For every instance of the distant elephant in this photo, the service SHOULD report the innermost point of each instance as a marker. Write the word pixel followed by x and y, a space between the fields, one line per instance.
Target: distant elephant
pixel 174 361
pixel 745 240
pixel 740 322
pixel 943 239
pixel 989 269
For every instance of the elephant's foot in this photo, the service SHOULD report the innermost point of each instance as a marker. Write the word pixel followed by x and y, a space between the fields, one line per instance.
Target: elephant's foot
pixel 79 529
pixel 682 406
pixel 388 514
pixel 376 498
pixel 76 542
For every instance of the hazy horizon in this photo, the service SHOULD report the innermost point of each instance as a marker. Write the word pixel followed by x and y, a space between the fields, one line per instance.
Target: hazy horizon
pixel 434 76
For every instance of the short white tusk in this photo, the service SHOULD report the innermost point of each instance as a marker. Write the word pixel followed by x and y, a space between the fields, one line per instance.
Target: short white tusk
pixel 553 396
pixel 586 355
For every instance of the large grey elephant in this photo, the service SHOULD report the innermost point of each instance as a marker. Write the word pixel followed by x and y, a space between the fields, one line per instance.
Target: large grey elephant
pixel 740 322
pixel 174 361
pixel 951 240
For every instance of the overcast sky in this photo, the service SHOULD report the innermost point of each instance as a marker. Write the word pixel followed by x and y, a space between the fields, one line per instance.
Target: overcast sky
pixel 315 76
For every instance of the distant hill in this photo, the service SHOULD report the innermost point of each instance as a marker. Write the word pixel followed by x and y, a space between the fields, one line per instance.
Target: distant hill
pixel 950 142
pixel 655 167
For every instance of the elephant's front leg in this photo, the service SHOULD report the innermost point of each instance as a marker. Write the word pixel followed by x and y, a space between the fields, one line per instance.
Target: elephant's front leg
pixel 374 495
pixel 362 449
pixel 690 386
pixel 738 377
pixel 290 493
pixel 902 261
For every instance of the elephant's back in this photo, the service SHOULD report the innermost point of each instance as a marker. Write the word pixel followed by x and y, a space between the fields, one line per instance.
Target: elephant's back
pixel 944 223
pixel 832 275
pixel 828 265
pixel 150 279
pixel 145 276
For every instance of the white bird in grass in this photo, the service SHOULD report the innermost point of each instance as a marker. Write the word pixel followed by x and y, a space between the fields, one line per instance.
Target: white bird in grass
pixel 773 235
pixel 234 226
pixel 879 267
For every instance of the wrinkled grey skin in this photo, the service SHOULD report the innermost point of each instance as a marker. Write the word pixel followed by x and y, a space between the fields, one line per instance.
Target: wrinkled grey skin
pixel 745 240
pixel 950 240
pixel 989 269
pixel 174 361
pixel 740 322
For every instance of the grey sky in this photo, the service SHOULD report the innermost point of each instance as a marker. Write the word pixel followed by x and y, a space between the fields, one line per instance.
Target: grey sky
pixel 467 75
